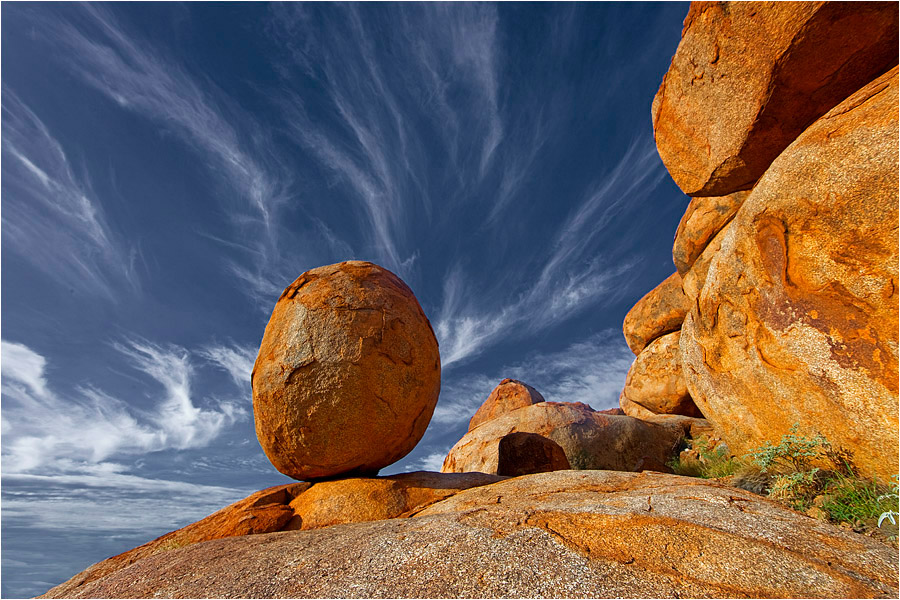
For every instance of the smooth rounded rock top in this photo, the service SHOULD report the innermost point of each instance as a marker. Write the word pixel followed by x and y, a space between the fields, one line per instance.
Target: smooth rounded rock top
pixel 348 373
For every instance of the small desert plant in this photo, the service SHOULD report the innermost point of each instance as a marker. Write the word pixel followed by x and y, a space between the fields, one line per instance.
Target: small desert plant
pixel 892 496
pixel 709 463
pixel 853 500
pixel 804 472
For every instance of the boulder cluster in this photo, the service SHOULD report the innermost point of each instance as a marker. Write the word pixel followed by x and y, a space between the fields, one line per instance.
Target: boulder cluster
pixel 780 121
pixel 562 435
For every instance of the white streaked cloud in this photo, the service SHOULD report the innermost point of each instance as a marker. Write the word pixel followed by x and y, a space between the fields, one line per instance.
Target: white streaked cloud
pixel 431 462
pixel 591 371
pixel 235 360
pixel 51 216
pixel 235 147
pixel 43 430
pixel 138 78
pixel 384 130
pixel 571 278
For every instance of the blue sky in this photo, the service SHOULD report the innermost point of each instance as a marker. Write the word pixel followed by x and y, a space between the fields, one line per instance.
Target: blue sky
pixel 167 169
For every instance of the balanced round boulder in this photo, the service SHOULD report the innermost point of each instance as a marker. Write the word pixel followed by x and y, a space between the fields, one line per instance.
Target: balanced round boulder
pixel 348 373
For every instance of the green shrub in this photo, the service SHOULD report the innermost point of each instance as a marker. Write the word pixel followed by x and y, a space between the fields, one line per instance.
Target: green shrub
pixel 710 463
pixel 854 500
pixel 801 472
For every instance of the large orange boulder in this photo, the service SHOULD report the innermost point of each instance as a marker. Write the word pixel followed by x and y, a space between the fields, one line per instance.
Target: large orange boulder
pixel 299 506
pixel 749 77
pixel 508 395
pixel 356 500
pixel 567 534
pixel 659 312
pixel 703 219
pixel 797 321
pixel 655 381
pixel 590 440
pixel 348 373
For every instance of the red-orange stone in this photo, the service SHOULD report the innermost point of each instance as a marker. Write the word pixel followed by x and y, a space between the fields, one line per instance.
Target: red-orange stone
pixel 348 373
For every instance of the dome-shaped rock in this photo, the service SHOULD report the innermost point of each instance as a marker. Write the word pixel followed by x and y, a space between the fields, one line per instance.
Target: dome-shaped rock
pixel 348 373
pixel 509 395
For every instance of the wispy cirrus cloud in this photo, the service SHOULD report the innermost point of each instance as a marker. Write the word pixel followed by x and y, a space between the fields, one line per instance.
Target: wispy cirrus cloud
pixel 51 216
pixel 572 277
pixel 46 431
pixel 387 133
pixel 234 146
pixel 591 371
pixel 234 359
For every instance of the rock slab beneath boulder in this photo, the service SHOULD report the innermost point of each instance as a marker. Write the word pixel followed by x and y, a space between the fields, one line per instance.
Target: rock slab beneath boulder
pixel 564 534
pixel 348 373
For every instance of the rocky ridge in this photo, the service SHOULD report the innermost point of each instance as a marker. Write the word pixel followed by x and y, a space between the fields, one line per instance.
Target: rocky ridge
pixel 782 307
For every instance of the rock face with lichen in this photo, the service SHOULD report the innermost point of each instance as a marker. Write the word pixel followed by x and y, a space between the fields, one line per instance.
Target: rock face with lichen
pixel 348 373
pixel 781 120
pixel 749 77
pixel 799 305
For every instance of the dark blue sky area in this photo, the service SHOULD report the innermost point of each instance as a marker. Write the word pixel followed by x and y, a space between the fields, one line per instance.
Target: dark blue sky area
pixel 168 169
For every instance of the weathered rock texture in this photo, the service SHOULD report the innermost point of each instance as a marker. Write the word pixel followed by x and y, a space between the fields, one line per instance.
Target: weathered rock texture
pixel 633 409
pixel 372 499
pixel 348 373
pixel 563 534
pixel 749 77
pixel 298 506
pixel 659 312
pixel 508 395
pixel 655 380
pixel 590 440
pixel 693 280
pixel 703 219
pixel 797 321
pixel 528 453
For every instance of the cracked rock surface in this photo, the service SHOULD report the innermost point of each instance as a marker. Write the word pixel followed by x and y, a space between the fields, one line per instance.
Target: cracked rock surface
pixel 348 373
pixel 748 78
pixel 560 534
pixel 796 321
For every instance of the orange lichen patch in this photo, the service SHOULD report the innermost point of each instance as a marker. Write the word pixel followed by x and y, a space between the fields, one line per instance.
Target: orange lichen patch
pixel 796 320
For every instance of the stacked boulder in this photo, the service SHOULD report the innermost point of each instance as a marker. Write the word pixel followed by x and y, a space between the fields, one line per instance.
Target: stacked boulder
pixel 348 373
pixel 516 432
pixel 781 124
